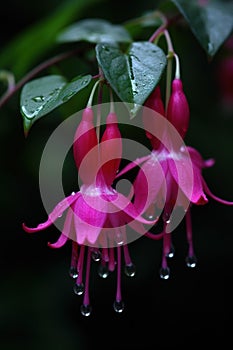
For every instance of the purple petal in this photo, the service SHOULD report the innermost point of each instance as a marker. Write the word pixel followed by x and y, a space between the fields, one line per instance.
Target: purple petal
pixel 149 182
pixel 189 179
pixel 89 218
pixel 65 232
pixel 132 165
pixel 209 193
pixel 198 160
pixel 57 212
pixel 122 203
pixel 60 242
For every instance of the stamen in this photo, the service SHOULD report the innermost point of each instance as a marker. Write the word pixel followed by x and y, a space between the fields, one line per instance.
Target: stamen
pixel 73 272
pixel 164 271
pixel 111 263
pixel 79 286
pixel 86 308
pixel 191 259
pixel 118 304
pixel 129 269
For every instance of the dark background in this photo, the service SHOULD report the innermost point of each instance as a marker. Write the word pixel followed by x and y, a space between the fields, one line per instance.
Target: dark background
pixel 38 309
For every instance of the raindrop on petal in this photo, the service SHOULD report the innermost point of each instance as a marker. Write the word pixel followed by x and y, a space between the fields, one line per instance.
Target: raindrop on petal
pixel 86 310
pixel 118 306
pixel 79 288
pixel 130 270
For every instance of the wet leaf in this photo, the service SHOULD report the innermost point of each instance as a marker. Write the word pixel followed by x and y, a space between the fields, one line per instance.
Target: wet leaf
pixel 211 23
pixel 134 73
pixel 41 96
pixel 94 31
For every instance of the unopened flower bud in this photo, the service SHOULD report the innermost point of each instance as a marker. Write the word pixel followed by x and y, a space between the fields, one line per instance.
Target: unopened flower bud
pixel 155 104
pixel 178 108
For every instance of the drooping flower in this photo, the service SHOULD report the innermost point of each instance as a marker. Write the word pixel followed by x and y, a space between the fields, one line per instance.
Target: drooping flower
pixel 97 214
pixel 170 177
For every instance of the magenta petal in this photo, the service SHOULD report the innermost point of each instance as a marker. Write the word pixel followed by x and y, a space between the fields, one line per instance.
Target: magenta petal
pixel 89 218
pixel 60 242
pixel 132 165
pixel 40 227
pixel 122 203
pixel 209 193
pixel 198 160
pixel 57 212
pixel 149 182
pixel 62 206
pixel 189 179
pixel 65 232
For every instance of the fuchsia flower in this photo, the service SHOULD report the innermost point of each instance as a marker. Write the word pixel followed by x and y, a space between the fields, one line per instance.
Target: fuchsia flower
pixel 171 176
pixel 97 215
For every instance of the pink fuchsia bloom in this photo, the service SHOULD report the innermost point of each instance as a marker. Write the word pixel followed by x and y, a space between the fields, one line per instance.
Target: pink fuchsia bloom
pixel 170 177
pixel 97 215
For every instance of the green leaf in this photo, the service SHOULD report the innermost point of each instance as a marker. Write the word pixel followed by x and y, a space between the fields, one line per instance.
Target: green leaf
pixel 133 74
pixel 41 96
pixel 94 31
pixel 211 23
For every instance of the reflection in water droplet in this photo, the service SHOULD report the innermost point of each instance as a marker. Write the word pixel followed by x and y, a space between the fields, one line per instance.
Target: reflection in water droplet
pixel 118 306
pixel 130 270
pixel 171 253
pixel 96 255
pixel 79 288
pixel 210 48
pixel 191 261
pixel 86 310
pixel 38 99
pixel 103 271
pixel 164 273
pixel 73 272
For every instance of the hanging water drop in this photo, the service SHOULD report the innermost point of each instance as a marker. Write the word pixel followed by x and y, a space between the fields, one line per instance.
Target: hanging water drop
pixel 191 261
pixel 86 310
pixel 103 271
pixel 73 272
pixel 96 255
pixel 79 288
pixel 118 306
pixel 171 253
pixel 164 273
pixel 130 270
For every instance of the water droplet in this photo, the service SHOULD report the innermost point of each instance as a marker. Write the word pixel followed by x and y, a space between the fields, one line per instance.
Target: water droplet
pixel 79 288
pixel 119 239
pixel 171 253
pixel 103 271
pixel 73 272
pixel 38 99
pixel 210 48
pixel 164 273
pixel 191 261
pixel 86 310
pixel 96 255
pixel 118 306
pixel 130 270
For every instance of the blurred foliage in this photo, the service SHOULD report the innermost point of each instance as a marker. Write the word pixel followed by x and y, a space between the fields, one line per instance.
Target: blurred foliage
pixel 38 309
